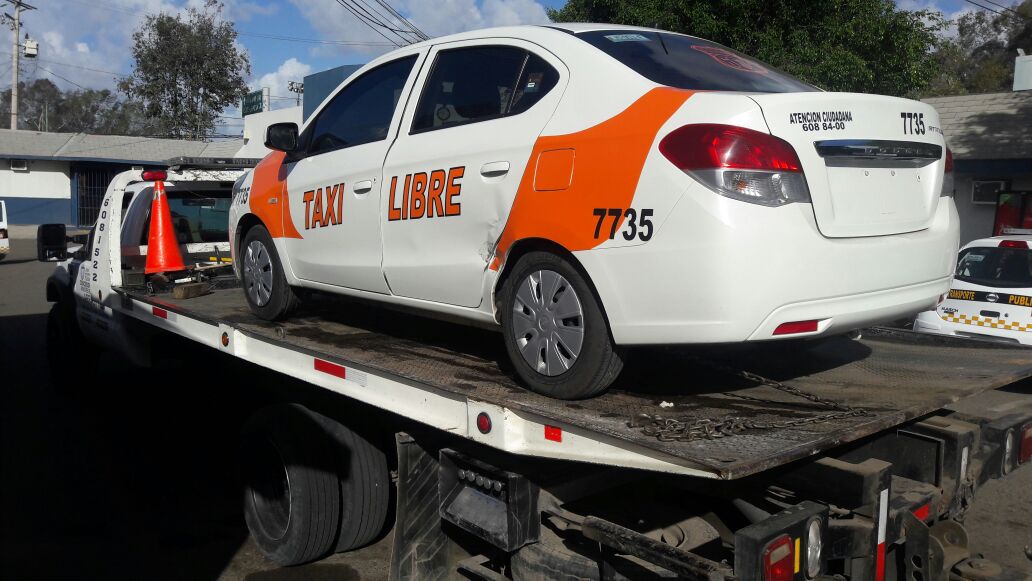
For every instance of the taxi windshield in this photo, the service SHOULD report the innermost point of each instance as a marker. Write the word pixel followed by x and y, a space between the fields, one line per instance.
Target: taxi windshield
pixel 996 267
pixel 686 62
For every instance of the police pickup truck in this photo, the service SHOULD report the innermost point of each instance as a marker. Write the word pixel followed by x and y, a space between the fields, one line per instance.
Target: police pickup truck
pixel 848 457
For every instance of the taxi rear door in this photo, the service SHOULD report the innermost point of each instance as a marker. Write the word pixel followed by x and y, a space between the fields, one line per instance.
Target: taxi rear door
pixel 451 177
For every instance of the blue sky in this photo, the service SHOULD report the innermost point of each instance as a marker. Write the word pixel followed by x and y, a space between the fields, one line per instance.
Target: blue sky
pixel 85 43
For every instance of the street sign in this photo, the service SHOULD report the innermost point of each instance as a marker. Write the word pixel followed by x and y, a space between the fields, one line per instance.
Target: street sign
pixel 253 102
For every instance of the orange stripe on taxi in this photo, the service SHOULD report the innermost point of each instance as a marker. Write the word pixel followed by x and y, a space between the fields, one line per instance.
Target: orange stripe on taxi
pixel 570 175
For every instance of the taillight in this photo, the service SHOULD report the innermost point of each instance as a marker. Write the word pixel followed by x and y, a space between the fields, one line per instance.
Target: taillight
pixel 3 233
pixel 1025 452
pixel 738 163
pixel 947 178
pixel 154 175
pixel 779 560
pixel 1013 244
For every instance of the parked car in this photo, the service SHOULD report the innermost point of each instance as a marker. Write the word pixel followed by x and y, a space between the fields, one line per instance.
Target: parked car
pixel 623 186
pixel 991 296
pixel 5 239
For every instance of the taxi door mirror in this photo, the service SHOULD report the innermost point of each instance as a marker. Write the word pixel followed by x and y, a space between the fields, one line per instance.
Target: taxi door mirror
pixel 281 137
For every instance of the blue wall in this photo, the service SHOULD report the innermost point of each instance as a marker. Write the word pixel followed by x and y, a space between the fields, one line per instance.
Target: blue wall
pixel 319 85
pixel 38 210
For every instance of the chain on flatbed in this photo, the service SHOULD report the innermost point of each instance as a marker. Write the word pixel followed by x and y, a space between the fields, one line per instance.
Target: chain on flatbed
pixel 688 430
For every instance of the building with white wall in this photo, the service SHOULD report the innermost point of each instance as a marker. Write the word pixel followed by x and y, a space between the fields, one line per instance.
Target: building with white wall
pixel 62 177
pixel 991 139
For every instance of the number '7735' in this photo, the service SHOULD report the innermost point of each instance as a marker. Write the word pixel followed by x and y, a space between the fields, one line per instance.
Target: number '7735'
pixel 639 223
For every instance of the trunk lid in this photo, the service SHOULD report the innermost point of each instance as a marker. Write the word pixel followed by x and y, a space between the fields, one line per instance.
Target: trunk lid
pixel 874 164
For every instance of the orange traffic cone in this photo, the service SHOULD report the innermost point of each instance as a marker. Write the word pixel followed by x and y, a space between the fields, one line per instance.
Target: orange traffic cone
pixel 162 247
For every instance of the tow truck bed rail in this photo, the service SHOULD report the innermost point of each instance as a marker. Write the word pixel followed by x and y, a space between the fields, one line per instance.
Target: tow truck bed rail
pixel 445 375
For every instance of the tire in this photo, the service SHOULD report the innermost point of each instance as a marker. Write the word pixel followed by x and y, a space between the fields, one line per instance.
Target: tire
pixel 530 325
pixel 264 282
pixel 291 487
pixel 365 486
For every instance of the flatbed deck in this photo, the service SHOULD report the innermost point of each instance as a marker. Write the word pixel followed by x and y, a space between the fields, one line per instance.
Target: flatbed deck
pixel 427 369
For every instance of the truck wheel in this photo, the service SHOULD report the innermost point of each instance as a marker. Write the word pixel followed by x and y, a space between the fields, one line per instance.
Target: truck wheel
pixel 69 353
pixel 291 487
pixel 265 284
pixel 365 486
pixel 555 332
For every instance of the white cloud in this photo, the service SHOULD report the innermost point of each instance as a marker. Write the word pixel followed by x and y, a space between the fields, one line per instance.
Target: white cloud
pixel 290 70
pixel 82 47
pixel 438 18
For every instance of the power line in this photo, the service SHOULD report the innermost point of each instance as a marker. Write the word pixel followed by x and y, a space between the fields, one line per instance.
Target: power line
pixel 398 15
pixel 1007 8
pixel 984 7
pixel 369 24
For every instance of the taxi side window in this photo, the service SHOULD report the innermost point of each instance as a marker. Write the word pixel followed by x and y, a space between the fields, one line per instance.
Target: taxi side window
pixel 479 83
pixel 362 111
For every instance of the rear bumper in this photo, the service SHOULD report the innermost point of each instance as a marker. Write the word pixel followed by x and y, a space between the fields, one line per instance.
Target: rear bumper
pixel 720 271
pixel 931 322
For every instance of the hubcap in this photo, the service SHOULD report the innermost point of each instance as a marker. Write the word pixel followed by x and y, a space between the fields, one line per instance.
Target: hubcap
pixel 548 322
pixel 258 273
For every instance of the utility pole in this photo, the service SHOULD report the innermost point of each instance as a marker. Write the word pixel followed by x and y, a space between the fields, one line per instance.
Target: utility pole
pixel 15 24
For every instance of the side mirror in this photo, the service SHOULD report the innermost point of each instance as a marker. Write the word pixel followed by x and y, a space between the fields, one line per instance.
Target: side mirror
pixel 51 242
pixel 281 137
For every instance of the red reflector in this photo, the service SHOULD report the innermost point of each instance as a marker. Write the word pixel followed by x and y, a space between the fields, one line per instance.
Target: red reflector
pixel 225 339
pixel 1025 454
pixel 1013 244
pixel 879 563
pixel 922 512
pixel 949 161
pixel 712 146
pixel 154 175
pixel 159 313
pixel 331 368
pixel 796 327
pixel 778 562
pixel 483 422
pixel 554 433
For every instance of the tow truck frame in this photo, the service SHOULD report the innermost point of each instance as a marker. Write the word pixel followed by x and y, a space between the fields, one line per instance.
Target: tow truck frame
pixel 885 484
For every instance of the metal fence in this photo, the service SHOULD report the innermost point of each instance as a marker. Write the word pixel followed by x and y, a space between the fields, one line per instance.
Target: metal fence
pixel 90 184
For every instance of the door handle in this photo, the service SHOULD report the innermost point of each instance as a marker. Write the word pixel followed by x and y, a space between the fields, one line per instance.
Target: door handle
pixel 494 169
pixel 363 186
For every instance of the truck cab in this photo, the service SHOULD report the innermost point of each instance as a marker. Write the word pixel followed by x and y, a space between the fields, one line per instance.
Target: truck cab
pixel 114 251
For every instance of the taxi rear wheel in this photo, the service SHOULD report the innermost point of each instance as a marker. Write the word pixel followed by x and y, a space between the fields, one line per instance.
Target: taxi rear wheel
pixel 265 284
pixel 556 334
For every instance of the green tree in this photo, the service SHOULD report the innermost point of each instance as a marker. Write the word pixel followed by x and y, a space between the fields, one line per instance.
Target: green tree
pixel 980 58
pixel 867 46
pixel 43 106
pixel 187 71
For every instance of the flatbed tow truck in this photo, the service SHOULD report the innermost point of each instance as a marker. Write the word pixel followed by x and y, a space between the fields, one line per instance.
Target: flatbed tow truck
pixel 848 457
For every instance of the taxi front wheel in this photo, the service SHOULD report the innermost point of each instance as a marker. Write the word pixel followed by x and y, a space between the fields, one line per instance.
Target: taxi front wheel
pixel 265 284
pixel 555 332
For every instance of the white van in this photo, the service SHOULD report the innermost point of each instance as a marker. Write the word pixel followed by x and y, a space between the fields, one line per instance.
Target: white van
pixel 5 241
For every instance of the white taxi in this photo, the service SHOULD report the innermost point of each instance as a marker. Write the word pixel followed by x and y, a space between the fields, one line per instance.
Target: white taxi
pixel 589 187
pixel 991 296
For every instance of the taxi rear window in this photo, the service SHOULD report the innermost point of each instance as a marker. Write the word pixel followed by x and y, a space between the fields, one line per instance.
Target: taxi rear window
pixel 691 63
pixel 996 267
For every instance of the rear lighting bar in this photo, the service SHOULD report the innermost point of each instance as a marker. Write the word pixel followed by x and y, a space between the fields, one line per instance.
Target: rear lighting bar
pixel 738 163
pixel 1013 244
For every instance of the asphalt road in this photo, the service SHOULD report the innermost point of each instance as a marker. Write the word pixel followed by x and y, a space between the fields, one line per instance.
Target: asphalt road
pixel 125 473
